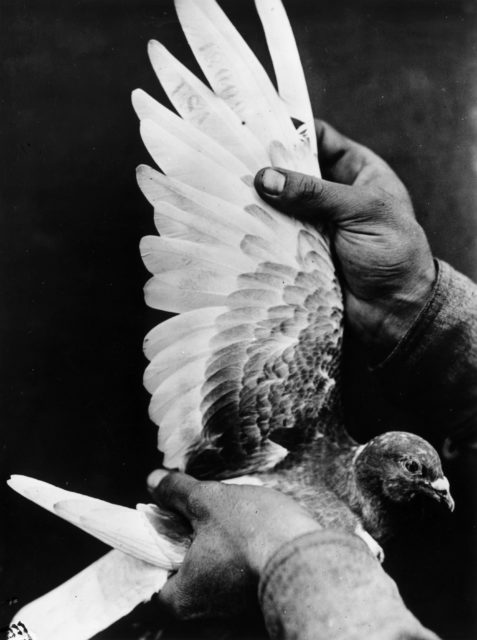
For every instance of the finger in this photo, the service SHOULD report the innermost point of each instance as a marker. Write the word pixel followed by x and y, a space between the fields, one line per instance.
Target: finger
pixel 155 477
pixel 344 160
pixel 308 197
pixel 173 491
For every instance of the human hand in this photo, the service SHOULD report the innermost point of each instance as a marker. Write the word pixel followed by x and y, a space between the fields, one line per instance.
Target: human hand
pixel 386 266
pixel 236 530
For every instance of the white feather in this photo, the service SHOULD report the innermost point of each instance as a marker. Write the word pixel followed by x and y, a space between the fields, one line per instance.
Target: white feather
pixel 42 493
pixel 149 109
pixel 180 425
pixel 93 599
pixel 160 294
pixel 125 529
pixel 174 390
pixel 179 328
pixel 252 217
pixel 289 71
pixel 198 104
pixel 235 73
pixel 196 346
pixel 192 167
pixel 181 160
pixel 167 254
pixel 206 229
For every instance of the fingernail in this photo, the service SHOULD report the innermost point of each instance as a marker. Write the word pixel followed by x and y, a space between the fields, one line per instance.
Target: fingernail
pixel 273 182
pixel 155 477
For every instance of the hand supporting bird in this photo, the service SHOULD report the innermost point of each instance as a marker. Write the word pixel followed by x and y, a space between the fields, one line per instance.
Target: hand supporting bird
pixel 312 583
pixel 236 530
pixel 386 265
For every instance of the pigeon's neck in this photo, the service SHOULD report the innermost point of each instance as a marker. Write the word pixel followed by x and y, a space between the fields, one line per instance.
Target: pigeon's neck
pixel 366 501
pixel 336 467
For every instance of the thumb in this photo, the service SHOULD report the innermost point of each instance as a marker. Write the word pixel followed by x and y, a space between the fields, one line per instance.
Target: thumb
pixel 172 490
pixel 308 197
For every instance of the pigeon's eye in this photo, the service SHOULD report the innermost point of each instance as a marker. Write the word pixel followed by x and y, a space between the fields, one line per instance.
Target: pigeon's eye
pixel 412 466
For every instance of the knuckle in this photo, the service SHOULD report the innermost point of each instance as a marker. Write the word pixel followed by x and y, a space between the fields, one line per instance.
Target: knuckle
pixel 380 203
pixel 202 496
pixel 165 489
pixel 309 189
pixel 378 198
pixel 414 234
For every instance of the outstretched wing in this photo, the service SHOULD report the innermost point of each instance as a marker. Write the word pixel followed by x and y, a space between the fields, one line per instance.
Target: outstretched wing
pixel 252 360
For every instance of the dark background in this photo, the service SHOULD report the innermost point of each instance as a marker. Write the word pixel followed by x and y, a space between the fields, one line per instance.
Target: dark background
pixel 399 76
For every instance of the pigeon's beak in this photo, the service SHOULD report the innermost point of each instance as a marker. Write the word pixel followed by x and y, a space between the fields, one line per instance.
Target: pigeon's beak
pixel 441 491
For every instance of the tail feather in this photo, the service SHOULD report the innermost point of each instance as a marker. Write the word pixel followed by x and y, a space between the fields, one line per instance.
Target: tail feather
pixel 103 592
pixel 93 599
pixel 129 530
pixel 44 494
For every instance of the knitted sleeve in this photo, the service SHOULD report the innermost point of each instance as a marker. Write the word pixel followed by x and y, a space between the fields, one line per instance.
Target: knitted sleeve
pixel 433 369
pixel 327 586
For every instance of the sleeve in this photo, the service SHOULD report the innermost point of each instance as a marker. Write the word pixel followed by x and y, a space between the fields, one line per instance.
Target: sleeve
pixel 433 369
pixel 327 586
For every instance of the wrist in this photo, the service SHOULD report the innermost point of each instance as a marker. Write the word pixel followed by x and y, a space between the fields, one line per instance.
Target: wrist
pixel 269 543
pixel 403 308
pixel 384 323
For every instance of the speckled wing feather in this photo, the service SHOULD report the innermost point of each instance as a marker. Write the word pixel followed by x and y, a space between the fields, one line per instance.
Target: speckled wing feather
pixel 249 368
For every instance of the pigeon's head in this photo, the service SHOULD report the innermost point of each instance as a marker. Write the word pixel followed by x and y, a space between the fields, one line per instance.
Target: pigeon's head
pixel 401 467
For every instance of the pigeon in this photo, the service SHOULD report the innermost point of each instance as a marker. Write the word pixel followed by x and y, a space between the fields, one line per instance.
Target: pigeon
pixel 245 377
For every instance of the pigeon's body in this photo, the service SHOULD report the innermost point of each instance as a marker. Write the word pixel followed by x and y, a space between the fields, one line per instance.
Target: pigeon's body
pixel 245 378
pixel 314 486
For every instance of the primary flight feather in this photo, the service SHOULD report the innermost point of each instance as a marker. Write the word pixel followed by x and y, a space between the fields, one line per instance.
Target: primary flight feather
pixel 245 379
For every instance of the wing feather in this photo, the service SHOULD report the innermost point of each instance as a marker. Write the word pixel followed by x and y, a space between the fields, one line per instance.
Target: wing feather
pixel 256 349
pixel 197 104
pixel 235 74
pixel 149 109
pixel 289 72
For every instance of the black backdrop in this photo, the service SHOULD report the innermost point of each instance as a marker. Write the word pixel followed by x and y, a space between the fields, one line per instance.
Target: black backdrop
pixel 399 76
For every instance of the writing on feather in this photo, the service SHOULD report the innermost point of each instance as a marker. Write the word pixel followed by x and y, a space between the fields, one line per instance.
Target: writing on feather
pixel 18 630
